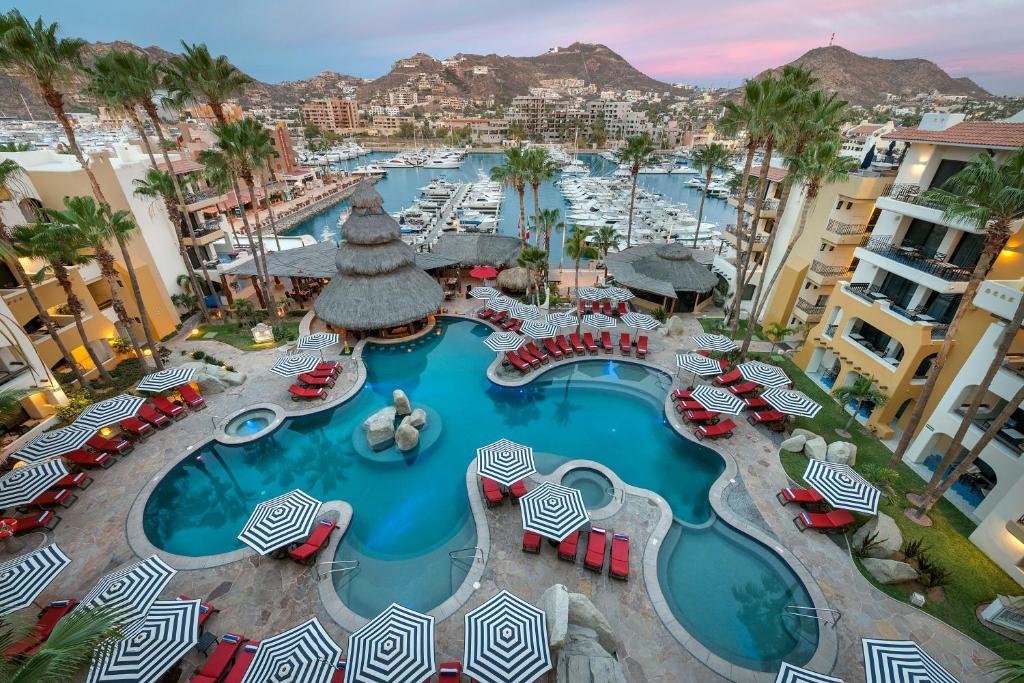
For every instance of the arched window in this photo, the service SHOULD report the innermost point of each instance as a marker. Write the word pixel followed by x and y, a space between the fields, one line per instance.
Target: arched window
pixel 924 367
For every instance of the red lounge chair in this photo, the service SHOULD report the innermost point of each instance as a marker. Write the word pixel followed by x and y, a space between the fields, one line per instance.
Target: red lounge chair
pixel 577 344
pixel 339 671
pixel 518 326
pixel 314 381
pixel 684 405
pixel 492 492
pixel 499 317
pixel 531 542
pixel 582 305
pixel 728 378
pixel 509 324
pixel 206 610
pixel 837 520
pixel 625 345
pixel 165 406
pixel 84 458
pixel 328 365
pixel 702 416
pixel 218 662
pixel 519 364
pixel 298 392
pixel 567 548
pixel 588 341
pixel 563 344
pixel 682 394
pixel 528 357
pixel 449 672
pixel 134 425
pixel 484 313
pixel 641 346
pixel 595 307
pixel 104 445
pixel 306 553
pixel 594 559
pixel 715 431
pixel 331 373
pixel 606 342
pixel 620 309
pixel 242 662
pixel 192 397
pixel 799 496
pixel 537 353
pixel 756 403
pixel 150 415
pixel 517 491
pixel 53 498
pixel 618 565
pixel 606 308
pixel 45 520
pixel 553 349
pixel 48 618
pixel 742 388
pixel 765 417
pixel 74 481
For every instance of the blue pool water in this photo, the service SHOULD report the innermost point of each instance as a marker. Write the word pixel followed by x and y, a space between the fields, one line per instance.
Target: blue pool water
pixel 410 512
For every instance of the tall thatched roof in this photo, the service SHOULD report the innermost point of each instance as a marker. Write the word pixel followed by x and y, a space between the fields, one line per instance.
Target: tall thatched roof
pixel 479 249
pixel 316 260
pixel 663 269
pixel 377 283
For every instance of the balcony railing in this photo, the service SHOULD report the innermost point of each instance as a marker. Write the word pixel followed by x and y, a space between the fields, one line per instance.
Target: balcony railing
pixel 827 270
pixel 769 204
pixel 830 331
pixel 871 294
pixel 909 193
pixel 919 260
pixel 745 234
pixel 196 197
pixel 841 228
pixel 809 308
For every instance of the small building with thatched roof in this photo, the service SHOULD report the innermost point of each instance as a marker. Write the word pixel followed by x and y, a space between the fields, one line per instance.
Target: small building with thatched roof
pixel 670 275
pixel 470 249
pixel 378 285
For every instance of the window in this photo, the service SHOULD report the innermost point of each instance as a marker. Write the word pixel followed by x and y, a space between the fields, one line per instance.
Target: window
pixel 946 170
pixel 900 290
pixel 925 236
pixel 839 205
pixel 942 307
pixel 968 250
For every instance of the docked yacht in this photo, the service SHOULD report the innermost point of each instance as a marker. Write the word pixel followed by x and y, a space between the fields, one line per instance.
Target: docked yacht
pixel 372 169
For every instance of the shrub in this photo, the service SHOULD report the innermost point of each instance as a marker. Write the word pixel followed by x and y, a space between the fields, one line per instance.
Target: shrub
pixel 912 548
pixel 870 542
pixel 931 575
pixel 660 314
pixel 78 400
pixel 198 355
pixel 298 313
pixel 121 345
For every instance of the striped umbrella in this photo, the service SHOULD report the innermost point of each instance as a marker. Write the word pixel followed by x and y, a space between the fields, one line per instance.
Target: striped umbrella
pixel 718 400
pixel 561 319
pixel 169 631
pixel 24 484
pixel 279 521
pixel 131 591
pixel 504 461
pixel 791 402
pixel 54 443
pixel 700 365
pixel 506 641
pixel 503 341
pixel 591 294
pixel 553 511
pixel 538 329
pixel 640 321
pixel 842 487
pixel 165 380
pixel 794 674
pixel 302 654
pixel 764 374
pixel 109 411
pixel 26 576
pixel 484 293
pixel 501 303
pixel 598 321
pixel 618 294
pixel 524 311
pixel 714 342
pixel 901 661
pixel 396 646
pixel 317 341
pixel 294 364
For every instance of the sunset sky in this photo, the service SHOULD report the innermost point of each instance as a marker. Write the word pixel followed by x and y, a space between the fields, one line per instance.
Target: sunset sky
pixel 709 43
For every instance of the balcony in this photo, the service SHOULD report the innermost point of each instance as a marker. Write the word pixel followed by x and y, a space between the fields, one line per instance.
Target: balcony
pixel 205 235
pixel 905 198
pixel 196 201
pixel 871 294
pixel 826 275
pixel 769 206
pixel 807 311
pixel 733 235
pixel 839 233
pixel 915 258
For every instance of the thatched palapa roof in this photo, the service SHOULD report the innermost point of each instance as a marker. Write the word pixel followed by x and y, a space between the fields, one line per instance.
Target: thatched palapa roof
pixel 663 269
pixel 479 249
pixel 316 260
pixel 377 283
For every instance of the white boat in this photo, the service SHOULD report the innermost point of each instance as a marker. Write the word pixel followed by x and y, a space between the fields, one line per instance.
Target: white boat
pixel 695 182
pixel 684 170
pixel 575 168
pixel 369 169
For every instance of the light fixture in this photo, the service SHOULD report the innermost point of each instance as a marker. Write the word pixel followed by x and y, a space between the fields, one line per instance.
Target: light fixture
pixel 105 431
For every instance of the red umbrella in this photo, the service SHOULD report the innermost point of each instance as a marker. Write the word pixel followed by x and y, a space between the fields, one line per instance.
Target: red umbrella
pixel 483 273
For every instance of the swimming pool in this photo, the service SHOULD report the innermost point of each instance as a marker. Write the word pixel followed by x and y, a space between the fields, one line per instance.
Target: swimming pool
pixel 400 533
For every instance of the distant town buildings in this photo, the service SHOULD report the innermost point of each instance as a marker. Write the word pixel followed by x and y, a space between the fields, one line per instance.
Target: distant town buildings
pixel 333 114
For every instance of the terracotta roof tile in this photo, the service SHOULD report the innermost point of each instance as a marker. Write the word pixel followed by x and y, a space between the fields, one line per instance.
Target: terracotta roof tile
pixel 869 128
pixel 775 174
pixel 992 134
pixel 182 166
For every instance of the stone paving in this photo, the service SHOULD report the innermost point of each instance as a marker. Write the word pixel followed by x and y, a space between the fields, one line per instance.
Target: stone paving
pixel 259 597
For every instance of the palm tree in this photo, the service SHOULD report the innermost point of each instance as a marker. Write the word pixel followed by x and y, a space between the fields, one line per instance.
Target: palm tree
pixel 860 392
pixel 605 239
pixel 197 77
pixel 512 174
pixel 60 248
pixel 709 158
pixel 540 167
pixel 579 248
pixel 68 651
pixel 636 153
pixel 1009 670
pixel 776 332
pixel 547 222
pixel 535 260
pixel 218 178
pixel 989 198
pixel 111 84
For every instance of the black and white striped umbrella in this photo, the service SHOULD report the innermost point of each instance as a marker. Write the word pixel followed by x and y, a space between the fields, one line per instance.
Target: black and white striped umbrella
pixel 484 293
pixel 717 400
pixel 503 341
pixel 131 591
pixel 504 461
pixel 701 365
pixel 640 321
pixel 501 303
pixel 26 576
pixel 791 402
pixel 279 521
pixel 167 379
pixel 538 329
pixel 901 661
pixel 396 646
pixel 591 294
pixel 561 319
pixel 169 631
pixel 553 511
pixel 109 411
pixel 599 321
pixel 523 311
pixel 295 364
pixel 317 341
pixel 26 483
pixel 54 443
pixel 842 487
pixel 618 294
pixel 764 374
pixel 506 641
pixel 794 674
pixel 302 654
pixel 714 342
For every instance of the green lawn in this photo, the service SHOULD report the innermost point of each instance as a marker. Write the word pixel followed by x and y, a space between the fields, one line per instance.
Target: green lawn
pixel 976 579
pixel 714 326
pixel 241 337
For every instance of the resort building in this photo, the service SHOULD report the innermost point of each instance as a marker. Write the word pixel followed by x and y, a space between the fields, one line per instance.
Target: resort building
pixel 331 114
pixel 668 276
pixel 202 113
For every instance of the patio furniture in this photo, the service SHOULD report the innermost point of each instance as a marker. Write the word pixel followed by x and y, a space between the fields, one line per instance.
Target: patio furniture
pixel 517 491
pixel 242 662
pixel 702 416
pixel 153 417
pixel 553 349
pixel 192 397
pixel 218 662
pixel 567 548
pixel 606 341
pixel 529 357
pixel 800 497
pixel 625 345
pixel 517 362
pixel 618 565
pixel 766 417
pixel 537 353
pixel 105 445
pixel 564 345
pixel 531 542
pixel 730 377
pixel 715 431
pixel 134 425
pixel 45 520
pixel 165 406
pixel 305 393
pixel 492 492
pixel 45 623
pixel 306 553
pixel 314 381
pixel 824 522
pixel 588 340
pixel 594 559
pixel 84 458
pixel 742 388
pixel 641 346
pixel 577 343
pixel 74 481
pixel 449 672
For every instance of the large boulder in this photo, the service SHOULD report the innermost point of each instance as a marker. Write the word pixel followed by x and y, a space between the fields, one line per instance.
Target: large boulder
pixel 214 379
pixel 583 660
pixel 816 448
pixel 380 428
pixel 889 572
pixel 887 535
pixel 583 613
pixel 806 433
pixel 842 452
pixel 418 418
pixel 407 437
pixel 555 604
pixel 673 327
pixel 401 402
pixel 794 444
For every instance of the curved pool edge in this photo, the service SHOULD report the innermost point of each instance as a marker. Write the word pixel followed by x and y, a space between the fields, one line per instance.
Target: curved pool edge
pixel 220 431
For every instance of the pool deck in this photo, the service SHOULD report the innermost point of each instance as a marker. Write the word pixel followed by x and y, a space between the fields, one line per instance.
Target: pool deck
pixel 259 597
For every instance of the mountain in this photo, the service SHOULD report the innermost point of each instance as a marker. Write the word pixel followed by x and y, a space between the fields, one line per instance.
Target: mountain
pixel 865 80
